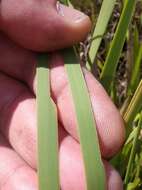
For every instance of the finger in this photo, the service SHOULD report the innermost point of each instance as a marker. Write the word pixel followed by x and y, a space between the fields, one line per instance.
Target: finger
pixel 15 174
pixel 72 170
pixel 42 25
pixel 16 61
pixel 18 117
pixel 110 126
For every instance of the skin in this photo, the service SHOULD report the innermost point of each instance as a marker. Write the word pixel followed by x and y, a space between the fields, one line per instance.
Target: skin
pixel 20 37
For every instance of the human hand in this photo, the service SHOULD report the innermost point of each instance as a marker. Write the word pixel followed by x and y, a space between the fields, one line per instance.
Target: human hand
pixel 18 114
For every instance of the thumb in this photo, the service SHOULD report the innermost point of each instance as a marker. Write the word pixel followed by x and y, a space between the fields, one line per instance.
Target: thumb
pixel 42 25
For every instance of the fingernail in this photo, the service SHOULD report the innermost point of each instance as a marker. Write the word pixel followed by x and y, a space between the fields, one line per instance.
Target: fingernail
pixel 70 13
pixel 59 9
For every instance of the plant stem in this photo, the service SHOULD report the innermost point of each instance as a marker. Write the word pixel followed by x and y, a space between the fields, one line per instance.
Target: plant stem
pixel 133 151
pixel 133 108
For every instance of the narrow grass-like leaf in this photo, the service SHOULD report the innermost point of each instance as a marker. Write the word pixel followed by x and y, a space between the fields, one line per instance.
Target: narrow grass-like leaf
pixel 94 169
pixel 113 56
pixel 136 42
pixel 132 134
pixel 136 72
pixel 48 169
pixel 132 155
pixel 133 108
pixel 100 28
pixel 64 2
pixel 129 116
pixel 125 105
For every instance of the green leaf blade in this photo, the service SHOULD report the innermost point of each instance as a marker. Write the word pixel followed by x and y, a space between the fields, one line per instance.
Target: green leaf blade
pixel 48 166
pixel 100 28
pixel 133 108
pixel 113 56
pixel 94 169
pixel 133 151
